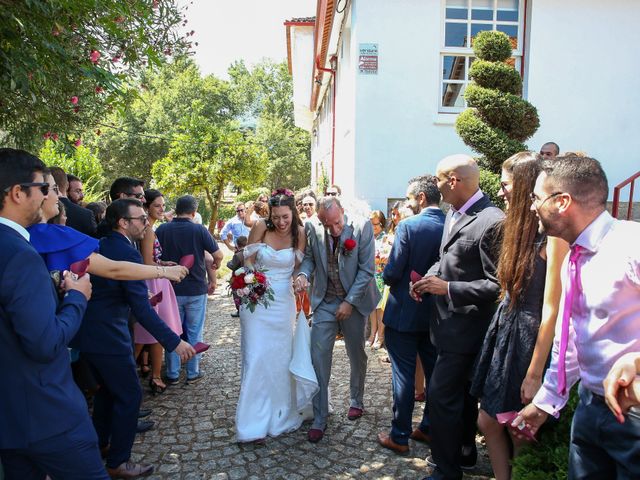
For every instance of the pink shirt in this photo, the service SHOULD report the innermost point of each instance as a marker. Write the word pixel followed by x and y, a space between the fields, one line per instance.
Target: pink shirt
pixel 605 317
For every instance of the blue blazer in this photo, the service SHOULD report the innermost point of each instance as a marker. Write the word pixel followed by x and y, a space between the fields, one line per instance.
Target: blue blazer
pixel 39 398
pixel 105 329
pixel 415 247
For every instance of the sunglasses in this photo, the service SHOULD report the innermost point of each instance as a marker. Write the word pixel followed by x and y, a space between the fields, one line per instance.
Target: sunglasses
pixel 240 211
pixel 308 204
pixel 44 187
pixel 332 194
pixel 137 195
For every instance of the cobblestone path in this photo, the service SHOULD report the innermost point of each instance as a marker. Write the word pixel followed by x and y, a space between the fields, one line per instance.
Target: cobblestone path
pixel 194 433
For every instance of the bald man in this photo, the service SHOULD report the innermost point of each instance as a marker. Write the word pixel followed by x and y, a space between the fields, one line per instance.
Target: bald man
pixel 550 150
pixel 465 287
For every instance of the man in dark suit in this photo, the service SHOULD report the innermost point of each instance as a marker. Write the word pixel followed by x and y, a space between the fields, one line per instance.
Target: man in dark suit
pixel 466 289
pixel 105 342
pixel 79 218
pixel 406 321
pixel 44 424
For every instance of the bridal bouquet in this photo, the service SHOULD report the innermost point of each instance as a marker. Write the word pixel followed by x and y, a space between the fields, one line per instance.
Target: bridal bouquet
pixel 250 287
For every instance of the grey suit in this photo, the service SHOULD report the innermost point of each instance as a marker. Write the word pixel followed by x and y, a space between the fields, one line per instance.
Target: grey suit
pixel 356 269
pixel 468 257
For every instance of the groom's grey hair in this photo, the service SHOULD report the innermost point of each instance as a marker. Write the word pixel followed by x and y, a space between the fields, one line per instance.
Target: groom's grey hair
pixel 325 203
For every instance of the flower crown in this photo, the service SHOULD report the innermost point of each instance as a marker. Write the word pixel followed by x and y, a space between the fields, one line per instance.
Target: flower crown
pixel 282 191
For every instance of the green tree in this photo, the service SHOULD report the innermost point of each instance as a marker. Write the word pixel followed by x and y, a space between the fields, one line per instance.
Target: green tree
pixel 205 157
pixel 65 63
pixel 499 119
pixel 133 139
pixel 288 153
pixel 82 162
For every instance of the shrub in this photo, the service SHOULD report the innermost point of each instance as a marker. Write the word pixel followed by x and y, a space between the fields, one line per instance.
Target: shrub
pixel 498 120
pixel 549 458
pixel 490 184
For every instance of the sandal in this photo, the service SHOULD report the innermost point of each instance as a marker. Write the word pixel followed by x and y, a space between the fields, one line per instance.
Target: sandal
pixel 156 388
pixel 145 370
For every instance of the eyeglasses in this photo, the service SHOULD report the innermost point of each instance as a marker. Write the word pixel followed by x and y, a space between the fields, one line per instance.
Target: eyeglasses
pixel 44 187
pixel 240 211
pixel 538 203
pixel 142 218
pixel 375 224
pixel 332 194
pixel 308 204
pixel 137 195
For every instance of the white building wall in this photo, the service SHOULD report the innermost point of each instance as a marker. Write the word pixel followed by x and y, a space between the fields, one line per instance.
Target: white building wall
pixel 301 65
pixel 399 133
pixel 584 78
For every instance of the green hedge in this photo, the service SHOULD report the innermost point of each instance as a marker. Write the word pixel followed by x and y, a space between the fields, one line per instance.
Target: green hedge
pixel 548 459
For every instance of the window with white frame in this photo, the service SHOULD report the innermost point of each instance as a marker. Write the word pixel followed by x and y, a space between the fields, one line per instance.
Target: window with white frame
pixel 463 20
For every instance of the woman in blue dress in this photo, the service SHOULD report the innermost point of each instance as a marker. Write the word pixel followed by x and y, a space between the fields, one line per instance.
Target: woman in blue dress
pixel 60 246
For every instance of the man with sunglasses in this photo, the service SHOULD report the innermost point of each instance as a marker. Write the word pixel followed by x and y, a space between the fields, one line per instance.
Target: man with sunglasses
pixel 104 340
pixel 235 228
pixel 45 427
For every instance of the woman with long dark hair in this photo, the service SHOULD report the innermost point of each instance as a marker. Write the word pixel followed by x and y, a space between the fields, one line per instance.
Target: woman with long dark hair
pixel 167 309
pixel 517 344
pixel 273 400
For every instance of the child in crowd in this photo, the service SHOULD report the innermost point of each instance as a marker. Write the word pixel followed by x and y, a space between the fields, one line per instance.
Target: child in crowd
pixel 236 262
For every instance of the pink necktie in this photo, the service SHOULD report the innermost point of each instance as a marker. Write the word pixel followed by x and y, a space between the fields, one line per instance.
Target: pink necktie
pixel 574 286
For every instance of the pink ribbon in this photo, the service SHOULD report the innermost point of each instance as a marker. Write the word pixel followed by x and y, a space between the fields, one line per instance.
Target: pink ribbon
pixel 574 285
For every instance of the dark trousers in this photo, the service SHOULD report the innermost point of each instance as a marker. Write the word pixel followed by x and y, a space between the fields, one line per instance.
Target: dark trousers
pixel 72 455
pixel 116 405
pixel 403 348
pixel 453 412
pixel 600 446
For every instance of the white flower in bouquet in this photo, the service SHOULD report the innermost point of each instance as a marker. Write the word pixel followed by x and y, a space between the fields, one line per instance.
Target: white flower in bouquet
pixel 249 278
pixel 246 291
pixel 239 271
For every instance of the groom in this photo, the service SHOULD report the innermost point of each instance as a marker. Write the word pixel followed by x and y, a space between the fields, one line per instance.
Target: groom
pixel 340 256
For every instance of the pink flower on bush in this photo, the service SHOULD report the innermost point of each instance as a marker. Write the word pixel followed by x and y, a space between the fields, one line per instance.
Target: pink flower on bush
pixel 78 142
pixel 74 100
pixel 47 136
pixel 99 89
pixel 54 137
pixel 94 56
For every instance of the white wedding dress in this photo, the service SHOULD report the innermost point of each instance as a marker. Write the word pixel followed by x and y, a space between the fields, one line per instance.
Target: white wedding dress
pixel 278 379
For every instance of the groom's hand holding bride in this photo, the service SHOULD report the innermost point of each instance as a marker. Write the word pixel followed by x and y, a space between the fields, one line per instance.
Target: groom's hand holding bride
pixel 301 283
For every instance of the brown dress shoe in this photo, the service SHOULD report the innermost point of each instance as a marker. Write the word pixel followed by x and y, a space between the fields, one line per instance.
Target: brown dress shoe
pixel 385 440
pixel 419 436
pixel 130 470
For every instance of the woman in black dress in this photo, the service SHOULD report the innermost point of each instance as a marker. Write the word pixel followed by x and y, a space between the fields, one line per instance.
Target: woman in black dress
pixel 517 344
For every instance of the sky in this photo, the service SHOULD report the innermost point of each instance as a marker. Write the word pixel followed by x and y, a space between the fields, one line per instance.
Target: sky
pixel 229 30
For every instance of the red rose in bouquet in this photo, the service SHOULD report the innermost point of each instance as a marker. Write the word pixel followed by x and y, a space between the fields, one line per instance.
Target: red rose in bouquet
pixel 250 287
pixel 237 281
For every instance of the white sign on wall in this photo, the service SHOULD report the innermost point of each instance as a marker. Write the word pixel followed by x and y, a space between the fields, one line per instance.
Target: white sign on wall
pixel 368 59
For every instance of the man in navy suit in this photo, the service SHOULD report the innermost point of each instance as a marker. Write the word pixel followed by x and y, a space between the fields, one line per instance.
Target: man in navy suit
pixel 105 342
pixel 80 218
pixel 465 289
pixel 44 424
pixel 406 321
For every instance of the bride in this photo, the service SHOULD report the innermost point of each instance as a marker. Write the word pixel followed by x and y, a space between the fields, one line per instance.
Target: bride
pixel 278 380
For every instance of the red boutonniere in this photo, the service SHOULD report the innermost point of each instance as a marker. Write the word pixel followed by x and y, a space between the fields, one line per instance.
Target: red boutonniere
pixel 349 245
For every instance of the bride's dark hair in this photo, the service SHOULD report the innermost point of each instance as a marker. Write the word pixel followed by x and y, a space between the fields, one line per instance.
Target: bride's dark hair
pixel 284 198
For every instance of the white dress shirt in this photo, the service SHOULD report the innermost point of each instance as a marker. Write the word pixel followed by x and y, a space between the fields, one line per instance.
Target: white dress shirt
pixel 605 318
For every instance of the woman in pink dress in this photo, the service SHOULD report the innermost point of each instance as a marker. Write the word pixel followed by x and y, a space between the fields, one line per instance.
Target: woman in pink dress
pixel 167 309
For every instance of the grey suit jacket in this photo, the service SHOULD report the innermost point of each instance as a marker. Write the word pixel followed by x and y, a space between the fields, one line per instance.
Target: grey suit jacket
pixel 468 258
pixel 356 268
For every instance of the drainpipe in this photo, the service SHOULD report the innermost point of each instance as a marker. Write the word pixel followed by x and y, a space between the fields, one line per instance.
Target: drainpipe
pixel 332 71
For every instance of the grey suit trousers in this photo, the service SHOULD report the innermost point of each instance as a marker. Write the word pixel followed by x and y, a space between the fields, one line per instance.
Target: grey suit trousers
pixel 323 337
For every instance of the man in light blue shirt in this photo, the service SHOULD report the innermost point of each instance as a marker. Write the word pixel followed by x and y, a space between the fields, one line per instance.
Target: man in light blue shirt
pixel 235 228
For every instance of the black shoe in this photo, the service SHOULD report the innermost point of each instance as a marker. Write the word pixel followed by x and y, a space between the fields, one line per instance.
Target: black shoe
pixel 144 425
pixel 235 314
pixel 468 461
pixel 172 381
pixel 144 412
pixel 195 379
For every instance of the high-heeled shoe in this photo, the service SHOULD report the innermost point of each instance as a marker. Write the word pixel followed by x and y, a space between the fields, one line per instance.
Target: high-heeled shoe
pixel 155 388
pixel 145 370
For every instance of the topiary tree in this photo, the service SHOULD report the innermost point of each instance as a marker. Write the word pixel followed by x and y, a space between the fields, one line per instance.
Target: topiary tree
pixel 499 119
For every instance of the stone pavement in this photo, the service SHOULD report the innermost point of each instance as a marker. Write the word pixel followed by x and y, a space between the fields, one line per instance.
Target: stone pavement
pixel 194 436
